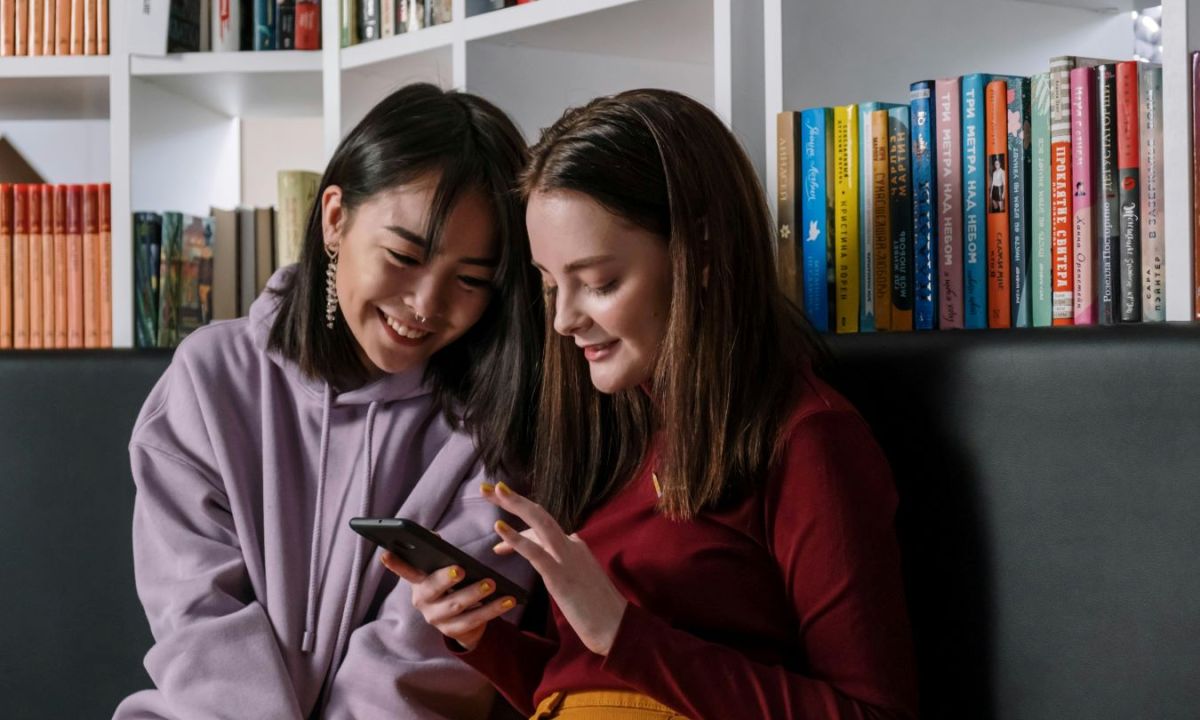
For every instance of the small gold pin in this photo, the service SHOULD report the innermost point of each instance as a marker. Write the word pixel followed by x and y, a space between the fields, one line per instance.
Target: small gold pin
pixel 657 487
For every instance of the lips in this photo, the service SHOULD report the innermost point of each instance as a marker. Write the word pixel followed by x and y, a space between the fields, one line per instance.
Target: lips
pixel 403 332
pixel 599 351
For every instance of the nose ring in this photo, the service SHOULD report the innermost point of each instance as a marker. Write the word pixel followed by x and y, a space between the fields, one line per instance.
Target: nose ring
pixel 420 318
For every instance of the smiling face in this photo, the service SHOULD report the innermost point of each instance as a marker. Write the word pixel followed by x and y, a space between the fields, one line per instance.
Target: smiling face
pixel 401 304
pixel 609 282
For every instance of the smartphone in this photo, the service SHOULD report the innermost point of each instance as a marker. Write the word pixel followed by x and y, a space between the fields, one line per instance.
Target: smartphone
pixel 427 552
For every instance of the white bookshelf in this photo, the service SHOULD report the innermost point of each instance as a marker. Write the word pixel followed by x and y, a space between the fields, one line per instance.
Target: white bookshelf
pixel 821 54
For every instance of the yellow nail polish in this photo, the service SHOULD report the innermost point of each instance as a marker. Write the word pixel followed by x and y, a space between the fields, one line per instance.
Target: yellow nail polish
pixel 507 604
pixel 485 587
pixel 486 488
pixel 453 573
pixel 503 489
pixel 502 526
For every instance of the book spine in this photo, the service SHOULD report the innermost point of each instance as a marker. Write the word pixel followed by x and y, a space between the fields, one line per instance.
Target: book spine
pixel 101 27
pixel 6 266
pixel 786 202
pixel 900 201
pixel 264 24
pixel 91 267
pixel 814 225
pixel 999 286
pixel 924 196
pixel 226 29
pixel 881 221
pixel 89 27
pixel 1129 165
pixel 20 256
pixel 308 25
pixel 61 276
pixel 1082 232
pixel 46 196
pixel 62 29
pixel 349 22
pixel 975 175
pixel 104 208
pixel 1153 243
pixel 368 20
pixel 1108 269
pixel 285 25
pixel 21 27
pixel 35 266
pixel 387 18
pixel 949 170
pixel 170 259
pixel 866 219
pixel 845 217
pixel 75 266
pixel 297 191
pixel 1063 297
pixel 49 22
pixel 77 12
pixel 1196 181
pixel 147 228
pixel 1040 253
pixel 8 30
pixel 1019 198
pixel 37 15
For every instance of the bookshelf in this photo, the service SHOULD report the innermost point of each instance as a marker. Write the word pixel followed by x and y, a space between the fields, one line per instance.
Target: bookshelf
pixel 822 54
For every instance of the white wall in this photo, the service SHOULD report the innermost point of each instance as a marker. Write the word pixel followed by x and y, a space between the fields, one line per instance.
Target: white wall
pixel 273 144
pixel 62 151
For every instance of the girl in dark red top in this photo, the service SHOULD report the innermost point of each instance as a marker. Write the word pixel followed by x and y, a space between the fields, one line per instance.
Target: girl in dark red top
pixel 713 523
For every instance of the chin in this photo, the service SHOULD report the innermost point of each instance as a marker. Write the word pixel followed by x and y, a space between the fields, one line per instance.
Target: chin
pixel 609 383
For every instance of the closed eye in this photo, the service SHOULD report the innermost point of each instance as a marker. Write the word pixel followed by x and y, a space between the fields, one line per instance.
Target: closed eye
pixel 402 258
pixel 474 282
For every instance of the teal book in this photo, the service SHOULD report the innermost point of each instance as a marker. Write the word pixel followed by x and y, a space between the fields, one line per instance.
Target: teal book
pixel 170 259
pixel 147 234
pixel 1040 258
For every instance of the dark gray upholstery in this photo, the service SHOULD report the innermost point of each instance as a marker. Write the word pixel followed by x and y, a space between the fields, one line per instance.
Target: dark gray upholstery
pixel 1050 519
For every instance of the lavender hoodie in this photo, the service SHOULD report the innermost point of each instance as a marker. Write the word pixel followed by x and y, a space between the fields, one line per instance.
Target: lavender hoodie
pixel 263 603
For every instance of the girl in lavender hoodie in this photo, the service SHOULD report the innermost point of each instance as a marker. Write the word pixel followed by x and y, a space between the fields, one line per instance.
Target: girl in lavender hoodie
pixel 387 374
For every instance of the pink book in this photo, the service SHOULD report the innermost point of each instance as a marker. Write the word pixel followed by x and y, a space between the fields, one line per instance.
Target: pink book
pixel 947 103
pixel 1082 195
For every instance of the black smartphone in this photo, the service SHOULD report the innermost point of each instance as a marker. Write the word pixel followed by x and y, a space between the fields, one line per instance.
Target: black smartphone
pixel 427 552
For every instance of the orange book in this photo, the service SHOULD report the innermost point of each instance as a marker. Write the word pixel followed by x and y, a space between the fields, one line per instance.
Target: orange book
pixel 76 27
pixel 48 25
pixel 37 11
pixel 999 306
pixel 91 267
pixel 46 193
pixel 60 266
pixel 20 216
pixel 89 27
pixel 21 27
pixel 101 27
pixel 34 224
pixel 6 266
pixel 62 27
pixel 8 16
pixel 75 266
pixel 881 232
pixel 104 208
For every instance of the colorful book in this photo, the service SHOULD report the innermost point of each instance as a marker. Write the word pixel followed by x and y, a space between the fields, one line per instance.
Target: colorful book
pixel 46 197
pixel 170 262
pixel 900 202
pixel 226 25
pixel 786 203
pixel 104 207
pixel 975 183
pixel 264 24
pixel 1129 194
pixel 924 198
pixel 297 193
pixel 881 222
pixel 1020 197
pixel 1196 184
pixel 285 25
pixel 195 275
pixel 34 280
pixel 308 25
pixel 61 281
pixel 20 257
pixel 1154 308
pixel 816 194
pixel 999 290
pixel 950 208
pixel 147 233
pixel 1108 232
pixel 845 218
pixel 6 266
pixel 368 20
pixel 74 228
pixel 872 137
pixel 1040 283
pixel 1082 232
pixel 91 266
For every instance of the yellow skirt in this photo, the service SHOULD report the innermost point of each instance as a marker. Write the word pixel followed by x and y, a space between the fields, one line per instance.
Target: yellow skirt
pixel 603 705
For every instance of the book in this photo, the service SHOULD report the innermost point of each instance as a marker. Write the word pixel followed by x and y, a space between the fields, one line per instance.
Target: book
pixel 264 240
pixel 147 233
pixel 975 183
pixel 999 287
pixel 34 281
pixel 845 218
pixel 285 25
pixel 102 27
pixel 872 188
pixel 368 20
pixel 37 16
pixel 89 27
pixel 1154 306
pixel 224 264
pixel 49 23
pixel 226 25
pixel 74 228
pixel 183 27
pixel 170 261
pixel 787 167
pixel 91 266
pixel 8 31
pixel 1196 183
pixel 900 204
pixel 1020 196
pixel 349 22
pixel 142 17
pixel 21 27
pixel 46 197
pixel 924 196
pixel 308 25
pixel 297 193
pixel 1082 231
pixel 1040 283
pixel 439 12
pixel 387 18
pixel 247 278
pixel 1129 163
pixel 881 223
pixel 104 207
pixel 6 266
pixel 20 259
pixel 816 194
pixel 950 208
pixel 264 39
pixel 1108 233
pixel 195 275
pixel 61 274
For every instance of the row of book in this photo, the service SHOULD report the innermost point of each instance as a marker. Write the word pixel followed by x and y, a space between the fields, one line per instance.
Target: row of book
pixel 190 270
pixel 55 266
pixel 366 20
pixel 987 201
pixel 53 27
pixel 236 25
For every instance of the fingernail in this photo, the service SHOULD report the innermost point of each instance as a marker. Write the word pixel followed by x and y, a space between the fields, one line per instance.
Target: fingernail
pixel 504 489
pixel 485 587
pixel 507 604
pixel 502 527
pixel 453 573
pixel 486 488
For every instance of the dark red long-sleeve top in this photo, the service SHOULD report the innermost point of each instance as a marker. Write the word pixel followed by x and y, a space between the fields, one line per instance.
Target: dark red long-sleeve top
pixel 788 604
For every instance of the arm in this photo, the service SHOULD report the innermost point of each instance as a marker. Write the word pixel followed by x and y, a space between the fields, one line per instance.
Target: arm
pixel 830 513
pixel 512 660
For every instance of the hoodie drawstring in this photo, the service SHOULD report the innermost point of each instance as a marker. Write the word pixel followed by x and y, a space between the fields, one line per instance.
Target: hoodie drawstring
pixel 310 605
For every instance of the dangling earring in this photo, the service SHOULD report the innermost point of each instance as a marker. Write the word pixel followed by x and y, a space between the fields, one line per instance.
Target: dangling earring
pixel 330 287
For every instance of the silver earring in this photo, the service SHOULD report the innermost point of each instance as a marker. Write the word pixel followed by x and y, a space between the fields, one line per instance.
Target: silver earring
pixel 330 287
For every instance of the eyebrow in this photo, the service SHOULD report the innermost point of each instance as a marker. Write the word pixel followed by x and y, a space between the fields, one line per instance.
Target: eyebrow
pixel 582 263
pixel 417 239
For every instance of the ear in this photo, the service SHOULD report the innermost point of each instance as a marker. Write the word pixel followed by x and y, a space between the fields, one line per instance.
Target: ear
pixel 333 218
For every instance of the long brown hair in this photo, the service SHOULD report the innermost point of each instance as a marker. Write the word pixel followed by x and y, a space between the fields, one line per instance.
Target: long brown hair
pixel 487 379
pixel 726 375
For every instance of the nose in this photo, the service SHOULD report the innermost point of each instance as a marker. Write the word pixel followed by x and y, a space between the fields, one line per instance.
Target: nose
pixel 568 320
pixel 428 295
